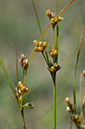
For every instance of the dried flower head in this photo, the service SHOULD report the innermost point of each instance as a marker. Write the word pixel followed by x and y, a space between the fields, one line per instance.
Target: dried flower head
pixel 67 99
pixel 52 18
pixel 53 51
pixel 40 46
pixel 84 73
pixel 29 104
pixel 22 88
pixel 23 61
pixel 50 14
pixel 68 109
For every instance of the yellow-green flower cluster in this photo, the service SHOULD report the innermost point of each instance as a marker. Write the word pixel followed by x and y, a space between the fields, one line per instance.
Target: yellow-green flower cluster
pixel 70 108
pixel 52 18
pixel 53 51
pixel 54 67
pixel 23 61
pixel 22 87
pixel 40 46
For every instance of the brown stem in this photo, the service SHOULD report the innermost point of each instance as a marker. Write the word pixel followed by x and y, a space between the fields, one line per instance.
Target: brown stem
pixel 23 121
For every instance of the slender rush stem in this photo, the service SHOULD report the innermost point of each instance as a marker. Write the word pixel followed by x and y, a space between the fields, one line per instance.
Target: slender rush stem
pixel 81 106
pixel 57 28
pixel 37 19
pixel 54 104
pixel 23 121
pixel 74 91
pixel 54 36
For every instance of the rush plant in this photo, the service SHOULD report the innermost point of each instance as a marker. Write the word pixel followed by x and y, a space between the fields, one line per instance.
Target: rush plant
pixel 51 59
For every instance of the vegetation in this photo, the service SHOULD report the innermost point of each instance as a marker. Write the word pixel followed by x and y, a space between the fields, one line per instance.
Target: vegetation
pixel 50 53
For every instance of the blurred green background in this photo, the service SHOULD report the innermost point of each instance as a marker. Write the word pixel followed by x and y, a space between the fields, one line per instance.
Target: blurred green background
pixel 18 25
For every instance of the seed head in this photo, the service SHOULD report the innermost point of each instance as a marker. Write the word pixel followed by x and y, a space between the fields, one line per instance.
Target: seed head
pixel 67 99
pixel 84 73
pixel 68 109
pixel 23 56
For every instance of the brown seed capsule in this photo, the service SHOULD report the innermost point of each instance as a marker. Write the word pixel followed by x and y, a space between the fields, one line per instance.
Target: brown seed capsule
pixel 40 49
pixel 52 48
pixel 35 42
pixel 55 20
pixel 51 54
pixel 44 44
pixel 36 49
pixel 19 83
pixel 20 60
pixel 23 56
pixel 52 15
pixel 48 12
pixel 68 109
pixel 55 52
pixel 79 121
pixel 55 65
pixel 52 68
pixel 26 89
pixel 40 44
pixel 77 117
pixel 20 92
pixel 20 99
pixel 60 18
pixel 67 99
pixel 84 73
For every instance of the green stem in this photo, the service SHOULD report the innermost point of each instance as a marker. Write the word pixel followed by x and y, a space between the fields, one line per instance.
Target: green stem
pixel 23 121
pixel 74 92
pixel 24 77
pixel 53 75
pixel 46 58
pixel 54 104
pixel 57 30
pixel 81 106
pixel 37 19
pixel 57 37
pixel 46 54
pixel 54 36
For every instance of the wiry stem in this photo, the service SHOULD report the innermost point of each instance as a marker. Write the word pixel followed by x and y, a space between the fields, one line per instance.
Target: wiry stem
pixel 54 102
pixel 82 115
pixel 23 121
pixel 37 19
pixel 54 36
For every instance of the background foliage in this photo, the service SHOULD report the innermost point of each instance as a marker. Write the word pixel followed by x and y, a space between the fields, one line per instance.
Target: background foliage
pixel 18 25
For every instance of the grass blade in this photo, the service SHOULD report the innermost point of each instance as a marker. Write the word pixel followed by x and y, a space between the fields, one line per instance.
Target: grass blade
pixel 7 77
